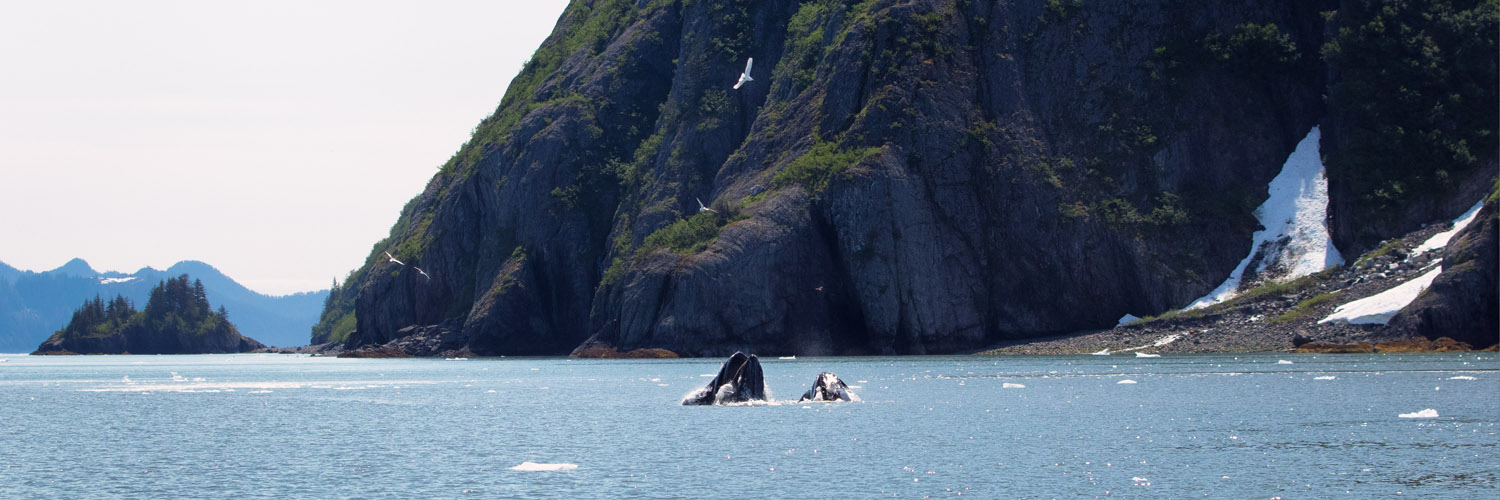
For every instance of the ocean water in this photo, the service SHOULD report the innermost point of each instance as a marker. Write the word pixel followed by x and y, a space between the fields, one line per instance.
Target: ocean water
pixel 1199 426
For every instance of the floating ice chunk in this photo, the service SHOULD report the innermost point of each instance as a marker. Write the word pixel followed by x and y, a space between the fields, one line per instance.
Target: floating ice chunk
pixel 1379 308
pixel 259 392
pixel 1325 377
pixel 1126 381
pixel 1104 352
pixel 1283 362
pixel 1428 413
pixel 529 466
pixel 1462 377
pixel 1145 355
pixel 1009 385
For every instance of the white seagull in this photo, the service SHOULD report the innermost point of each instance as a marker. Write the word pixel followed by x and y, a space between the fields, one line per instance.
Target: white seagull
pixel 393 259
pixel 424 273
pixel 702 208
pixel 745 77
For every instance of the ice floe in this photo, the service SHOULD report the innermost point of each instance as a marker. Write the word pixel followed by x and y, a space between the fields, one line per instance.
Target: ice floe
pixel 529 466
pixel 1126 381
pixel 1462 377
pixel 1010 385
pixel 1145 355
pixel 1428 413
pixel 1325 377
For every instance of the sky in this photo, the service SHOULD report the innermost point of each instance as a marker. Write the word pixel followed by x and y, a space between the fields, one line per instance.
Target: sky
pixel 275 140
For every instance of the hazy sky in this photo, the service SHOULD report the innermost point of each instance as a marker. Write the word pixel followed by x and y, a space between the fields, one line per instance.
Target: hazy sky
pixel 275 140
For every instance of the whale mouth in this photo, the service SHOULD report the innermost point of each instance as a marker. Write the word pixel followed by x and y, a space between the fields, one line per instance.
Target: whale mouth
pixel 740 379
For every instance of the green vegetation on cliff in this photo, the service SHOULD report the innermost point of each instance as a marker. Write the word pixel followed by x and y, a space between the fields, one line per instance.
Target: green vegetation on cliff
pixel 1415 81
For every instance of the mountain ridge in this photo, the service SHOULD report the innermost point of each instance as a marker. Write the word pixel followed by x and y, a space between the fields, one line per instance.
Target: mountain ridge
pixel 35 304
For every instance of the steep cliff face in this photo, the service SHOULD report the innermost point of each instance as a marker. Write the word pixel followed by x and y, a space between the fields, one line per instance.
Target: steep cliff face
pixel 900 177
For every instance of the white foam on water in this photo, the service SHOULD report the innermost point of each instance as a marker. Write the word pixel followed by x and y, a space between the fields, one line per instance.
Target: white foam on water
pixel 529 466
pixel 1326 377
pixel 200 385
pixel 1428 413
pixel 1462 377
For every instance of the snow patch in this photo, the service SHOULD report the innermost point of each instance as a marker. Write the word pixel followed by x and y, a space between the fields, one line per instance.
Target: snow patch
pixel 1294 241
pixel 1440 240
pixel 1127 319
pixel 110 281
pixel 1379 308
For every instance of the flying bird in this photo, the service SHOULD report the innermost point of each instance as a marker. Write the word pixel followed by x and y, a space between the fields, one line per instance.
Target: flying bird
pixel 702 208
pixel 393 259
pixel 745 77
pixel 424 273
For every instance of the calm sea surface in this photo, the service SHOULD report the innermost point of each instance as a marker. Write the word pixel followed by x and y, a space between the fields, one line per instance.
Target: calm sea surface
pixel 1216 426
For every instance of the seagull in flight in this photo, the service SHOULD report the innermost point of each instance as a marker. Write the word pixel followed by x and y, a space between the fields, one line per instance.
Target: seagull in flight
pixel 424 273
pixel 393 259
pixel 745 77
pixel 702 208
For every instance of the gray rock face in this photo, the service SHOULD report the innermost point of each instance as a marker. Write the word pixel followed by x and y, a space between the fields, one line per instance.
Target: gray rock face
pixel 913 177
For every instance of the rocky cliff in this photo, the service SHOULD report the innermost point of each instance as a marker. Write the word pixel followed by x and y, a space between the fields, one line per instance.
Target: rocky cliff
pixel 900 177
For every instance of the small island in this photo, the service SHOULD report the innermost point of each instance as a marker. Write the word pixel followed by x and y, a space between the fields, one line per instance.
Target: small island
pixel 177 320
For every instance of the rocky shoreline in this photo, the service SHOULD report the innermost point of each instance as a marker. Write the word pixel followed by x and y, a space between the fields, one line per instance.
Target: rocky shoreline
pixel 1284 317
pixel 1268 317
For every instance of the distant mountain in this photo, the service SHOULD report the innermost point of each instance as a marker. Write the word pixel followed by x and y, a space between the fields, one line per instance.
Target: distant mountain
pixel 34 305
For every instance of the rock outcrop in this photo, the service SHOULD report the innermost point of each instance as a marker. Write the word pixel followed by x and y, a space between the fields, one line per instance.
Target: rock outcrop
pixel 177 320
pixel 900 177
pixel 1463 303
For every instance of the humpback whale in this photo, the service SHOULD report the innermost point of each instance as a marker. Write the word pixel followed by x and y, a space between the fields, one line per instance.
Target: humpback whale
pixel 739 380
pixel 828 387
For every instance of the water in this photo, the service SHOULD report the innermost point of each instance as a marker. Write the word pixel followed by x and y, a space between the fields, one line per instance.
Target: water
pixel 1216 426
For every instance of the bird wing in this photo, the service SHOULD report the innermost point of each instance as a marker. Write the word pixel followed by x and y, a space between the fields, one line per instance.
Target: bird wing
pixel 749 62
